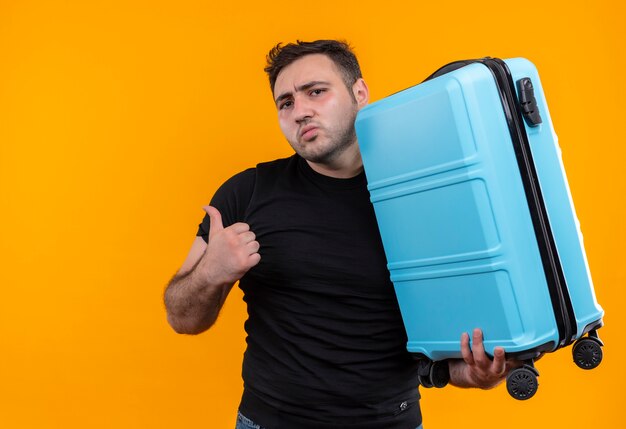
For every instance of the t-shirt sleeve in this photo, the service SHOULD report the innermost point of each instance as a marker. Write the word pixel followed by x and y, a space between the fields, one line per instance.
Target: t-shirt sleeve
pixel 231 199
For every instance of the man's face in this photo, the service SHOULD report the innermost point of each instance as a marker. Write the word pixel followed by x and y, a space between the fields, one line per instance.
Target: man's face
pixel 316 111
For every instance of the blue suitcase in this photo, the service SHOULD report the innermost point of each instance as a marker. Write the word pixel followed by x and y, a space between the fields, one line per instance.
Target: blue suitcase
pixel 477 220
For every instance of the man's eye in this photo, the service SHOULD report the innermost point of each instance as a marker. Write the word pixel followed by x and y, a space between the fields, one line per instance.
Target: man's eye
pixel 317 91
pixel 285 105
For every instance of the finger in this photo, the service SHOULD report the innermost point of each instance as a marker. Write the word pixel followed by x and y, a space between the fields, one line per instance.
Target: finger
pixel 498 366
pixel 254 259
pixel 253 247
pixel 247 237
pixel 466 353
pixel 240 227
pixel 216 220
pixel 478 348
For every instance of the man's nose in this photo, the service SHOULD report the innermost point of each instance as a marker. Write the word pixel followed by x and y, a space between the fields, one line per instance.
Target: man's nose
pixel 302 110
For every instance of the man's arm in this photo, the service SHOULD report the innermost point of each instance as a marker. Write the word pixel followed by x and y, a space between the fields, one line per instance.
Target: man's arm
pixel 476 369
pixel 195 295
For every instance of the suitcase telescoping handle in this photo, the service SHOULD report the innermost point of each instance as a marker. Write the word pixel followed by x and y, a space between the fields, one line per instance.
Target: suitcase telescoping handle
pixel 450 67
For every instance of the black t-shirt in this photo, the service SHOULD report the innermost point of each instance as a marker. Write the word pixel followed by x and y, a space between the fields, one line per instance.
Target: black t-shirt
pixel 326 343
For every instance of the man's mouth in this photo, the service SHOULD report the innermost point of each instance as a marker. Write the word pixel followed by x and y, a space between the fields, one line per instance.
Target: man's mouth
pixel 308 133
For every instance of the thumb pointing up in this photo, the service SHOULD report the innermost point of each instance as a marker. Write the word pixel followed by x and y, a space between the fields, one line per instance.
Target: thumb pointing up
pixel 216 220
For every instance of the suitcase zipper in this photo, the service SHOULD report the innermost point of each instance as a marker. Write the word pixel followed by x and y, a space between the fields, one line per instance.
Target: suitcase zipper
pixel 557 286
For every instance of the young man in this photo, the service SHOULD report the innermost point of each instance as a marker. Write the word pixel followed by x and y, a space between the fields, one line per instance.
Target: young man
pixel 326 343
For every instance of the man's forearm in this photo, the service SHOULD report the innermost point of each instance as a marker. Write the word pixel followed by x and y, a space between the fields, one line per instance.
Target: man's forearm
pixel 193 302
pixel 193 298
pixel 458 376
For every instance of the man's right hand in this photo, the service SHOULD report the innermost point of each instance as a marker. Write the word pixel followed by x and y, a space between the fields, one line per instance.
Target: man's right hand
pixel 231 251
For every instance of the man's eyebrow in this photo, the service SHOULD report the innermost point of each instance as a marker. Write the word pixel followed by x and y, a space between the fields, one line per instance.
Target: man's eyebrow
pixel 302 87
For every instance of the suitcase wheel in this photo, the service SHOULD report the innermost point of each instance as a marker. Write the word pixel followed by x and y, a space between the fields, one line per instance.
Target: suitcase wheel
pixel 439 374
pixel 433 374
pixel 424 381
pixel 522 382
pixel 587 352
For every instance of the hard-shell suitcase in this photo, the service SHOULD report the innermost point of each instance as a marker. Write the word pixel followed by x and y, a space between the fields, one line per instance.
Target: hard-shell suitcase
pixel 477 220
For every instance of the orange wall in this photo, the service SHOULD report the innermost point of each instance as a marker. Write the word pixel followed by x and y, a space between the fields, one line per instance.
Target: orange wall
pixel 118 120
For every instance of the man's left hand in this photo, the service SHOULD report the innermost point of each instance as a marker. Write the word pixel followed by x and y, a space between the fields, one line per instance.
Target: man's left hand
pixel 477 369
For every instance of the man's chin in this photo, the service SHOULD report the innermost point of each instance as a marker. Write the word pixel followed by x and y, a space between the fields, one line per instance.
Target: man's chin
pixel 319 157
pixel 316 152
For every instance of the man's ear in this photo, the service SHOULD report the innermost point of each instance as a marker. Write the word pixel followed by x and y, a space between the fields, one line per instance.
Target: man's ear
pixel 361 93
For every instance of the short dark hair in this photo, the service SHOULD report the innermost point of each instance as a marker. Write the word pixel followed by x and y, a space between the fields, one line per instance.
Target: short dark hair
pixel 338 51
